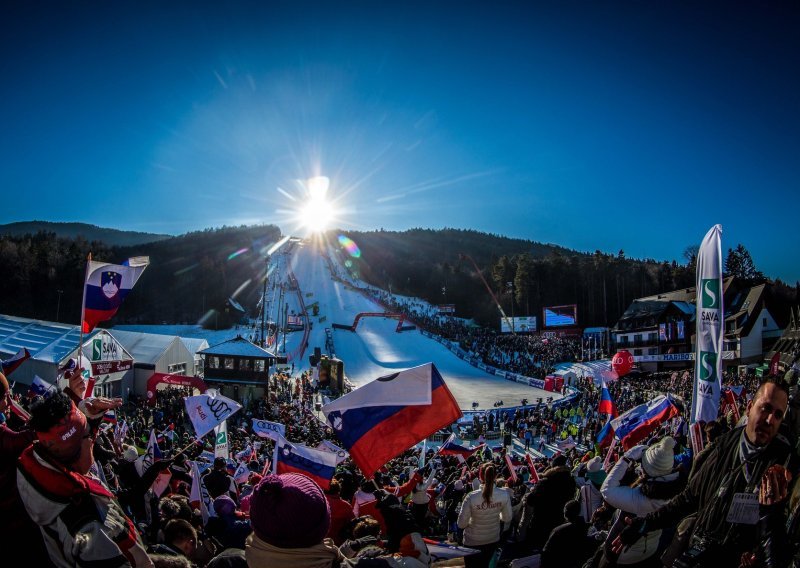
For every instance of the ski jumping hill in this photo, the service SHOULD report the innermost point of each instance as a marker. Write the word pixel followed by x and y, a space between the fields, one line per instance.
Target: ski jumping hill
pixel 375 348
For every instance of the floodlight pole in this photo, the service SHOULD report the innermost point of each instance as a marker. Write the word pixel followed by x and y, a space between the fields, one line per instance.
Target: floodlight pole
pixel 496 301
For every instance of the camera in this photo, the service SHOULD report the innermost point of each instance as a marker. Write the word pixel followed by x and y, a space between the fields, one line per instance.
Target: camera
pixel 699 554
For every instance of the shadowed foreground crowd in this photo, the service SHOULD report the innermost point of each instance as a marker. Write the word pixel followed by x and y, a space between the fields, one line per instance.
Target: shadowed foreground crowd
pixel 77 491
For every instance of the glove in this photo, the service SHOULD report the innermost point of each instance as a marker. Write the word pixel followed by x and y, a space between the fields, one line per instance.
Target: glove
pixel 636 452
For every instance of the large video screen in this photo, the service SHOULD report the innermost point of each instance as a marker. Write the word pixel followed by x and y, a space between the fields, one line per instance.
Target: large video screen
pixel 523 324
pixel 561 316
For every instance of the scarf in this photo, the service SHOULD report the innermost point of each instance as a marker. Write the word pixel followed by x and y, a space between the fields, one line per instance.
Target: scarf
pixel 748 453
pixel 261 553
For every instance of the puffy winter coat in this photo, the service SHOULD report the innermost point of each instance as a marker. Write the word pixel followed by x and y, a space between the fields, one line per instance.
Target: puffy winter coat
pixel 481 521
pixel 639 501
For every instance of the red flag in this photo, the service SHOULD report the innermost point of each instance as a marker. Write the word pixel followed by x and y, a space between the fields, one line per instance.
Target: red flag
pixel 774 364
pixel 534 473
pixel 511 468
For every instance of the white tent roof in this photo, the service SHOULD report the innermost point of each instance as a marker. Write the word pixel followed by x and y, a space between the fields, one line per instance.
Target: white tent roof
pixel 46 341
pixel 144 347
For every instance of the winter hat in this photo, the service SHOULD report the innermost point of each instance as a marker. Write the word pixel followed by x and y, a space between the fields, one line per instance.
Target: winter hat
pixel 594 464
pixel 129 454
pixel 289 511
pixel 659 458
pixel 224 506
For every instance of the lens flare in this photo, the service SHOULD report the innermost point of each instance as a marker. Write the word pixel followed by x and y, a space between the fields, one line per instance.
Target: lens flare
pixel 350 246
pixel 237 253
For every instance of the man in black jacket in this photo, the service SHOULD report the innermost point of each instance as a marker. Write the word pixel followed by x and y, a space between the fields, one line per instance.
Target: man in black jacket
pixel 724 491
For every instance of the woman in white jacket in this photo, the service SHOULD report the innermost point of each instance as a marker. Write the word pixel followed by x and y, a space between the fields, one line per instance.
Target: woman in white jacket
pixel 482 513
pixel 657 484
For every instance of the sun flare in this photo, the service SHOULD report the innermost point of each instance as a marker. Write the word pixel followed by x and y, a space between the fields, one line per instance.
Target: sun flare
pixel 318 212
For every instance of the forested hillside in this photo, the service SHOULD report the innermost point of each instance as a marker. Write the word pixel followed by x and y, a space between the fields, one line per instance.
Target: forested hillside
pixel 430 264
pixel 188 275
pixel 111 237
pixel 191 277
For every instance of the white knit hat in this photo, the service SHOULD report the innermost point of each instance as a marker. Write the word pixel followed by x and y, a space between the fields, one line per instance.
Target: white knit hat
pixel 129 453
pixel 659 458
pixel 594 464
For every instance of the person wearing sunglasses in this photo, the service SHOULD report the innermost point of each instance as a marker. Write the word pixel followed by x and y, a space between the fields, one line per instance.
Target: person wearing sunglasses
pixel 80 519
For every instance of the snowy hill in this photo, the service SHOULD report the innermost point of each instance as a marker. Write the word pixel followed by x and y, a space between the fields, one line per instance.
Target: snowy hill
pixel 374 349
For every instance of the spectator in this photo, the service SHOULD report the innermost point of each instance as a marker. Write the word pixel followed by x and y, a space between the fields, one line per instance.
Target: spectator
pixel 80 519
pixel 736 464
pixel 568 546
pixel 656 484
pixel 482 514
pixel 545 503
pixel 341 513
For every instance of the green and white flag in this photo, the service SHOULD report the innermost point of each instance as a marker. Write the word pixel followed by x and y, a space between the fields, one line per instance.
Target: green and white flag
pixel 710 327
pixel 221 440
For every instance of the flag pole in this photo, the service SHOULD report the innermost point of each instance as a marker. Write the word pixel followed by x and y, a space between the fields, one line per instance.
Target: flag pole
pixel 83 309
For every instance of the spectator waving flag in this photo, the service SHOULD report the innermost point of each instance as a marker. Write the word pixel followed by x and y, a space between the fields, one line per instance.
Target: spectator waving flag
pixel 607 405
pixel 40 387
pixel 10 365
pixel 208 410
pixel 385 417
pixel 106 287
pixel 295 458
pixel 639 422
pixel 450 448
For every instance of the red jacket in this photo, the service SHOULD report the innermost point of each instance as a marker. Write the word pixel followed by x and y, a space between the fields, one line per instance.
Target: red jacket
pixel 341 514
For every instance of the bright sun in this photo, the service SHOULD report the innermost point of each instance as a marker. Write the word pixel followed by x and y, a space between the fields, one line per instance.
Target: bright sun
pixel 318 212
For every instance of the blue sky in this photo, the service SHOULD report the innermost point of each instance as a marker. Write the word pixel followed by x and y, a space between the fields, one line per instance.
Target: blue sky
pixel 593 125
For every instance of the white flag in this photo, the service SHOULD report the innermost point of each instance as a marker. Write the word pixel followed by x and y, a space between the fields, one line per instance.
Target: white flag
pixel 242 473
pixel 209 410
pixel 221 437
pixel 328 446
pixel 267 429
pixel 199 495
pixel 710 326
pixel 152 454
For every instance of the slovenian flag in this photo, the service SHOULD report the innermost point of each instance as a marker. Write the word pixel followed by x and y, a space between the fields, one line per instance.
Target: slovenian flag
pixel 296 458
pixel 107 285
pixel 639 422
pixel 607 405
pixel 385 417
pixel 450 448
pixel 605 435
pixel 11 365
pixel 40 387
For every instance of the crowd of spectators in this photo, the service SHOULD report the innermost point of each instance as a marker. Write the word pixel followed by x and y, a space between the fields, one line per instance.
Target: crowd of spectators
pixel 541 488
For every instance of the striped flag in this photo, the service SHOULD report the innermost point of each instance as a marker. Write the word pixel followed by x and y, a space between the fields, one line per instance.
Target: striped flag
pixel 10 365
